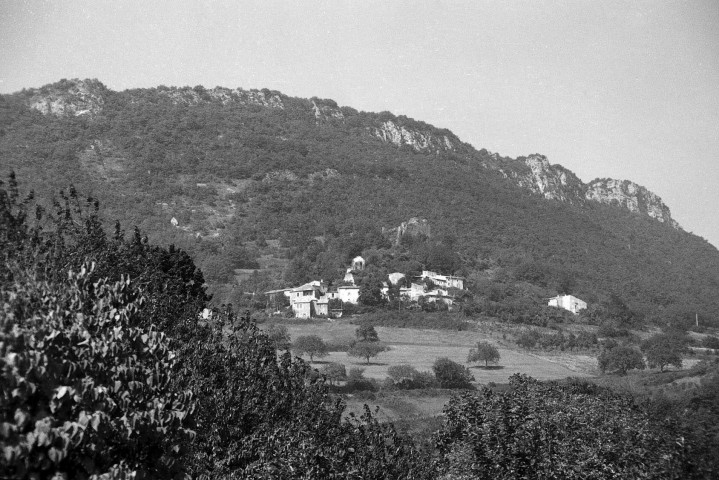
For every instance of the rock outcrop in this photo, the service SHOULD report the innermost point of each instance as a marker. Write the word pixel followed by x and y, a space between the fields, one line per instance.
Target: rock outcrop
pixel 197 95
pixel 631 196
pixel 421 141
pixel 414 227
pixel 553 182
pixel 68 98
pixel 325 112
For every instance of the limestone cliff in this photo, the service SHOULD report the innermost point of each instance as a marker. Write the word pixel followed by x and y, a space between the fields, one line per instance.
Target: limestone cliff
pixel 631 196
pixel 553 182
pixel 420 139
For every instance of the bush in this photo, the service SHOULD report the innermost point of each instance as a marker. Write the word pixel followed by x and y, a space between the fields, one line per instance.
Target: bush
pixel 356 381
pixel 451 374
pixel 406 377
pixel 334 372
pixel 86 391
pixel 548 430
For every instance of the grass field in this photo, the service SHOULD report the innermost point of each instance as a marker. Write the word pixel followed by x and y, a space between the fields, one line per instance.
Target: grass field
pixel 420 348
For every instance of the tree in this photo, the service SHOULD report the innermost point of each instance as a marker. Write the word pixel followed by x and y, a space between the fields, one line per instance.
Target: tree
pixel 370 291
pixel 312 345
pixel 554 430
pixel 451 374
pixel 483 352
pixel 366 333
pixel 279 336
pixel 620 359
pixel 662 350
pixel 367 350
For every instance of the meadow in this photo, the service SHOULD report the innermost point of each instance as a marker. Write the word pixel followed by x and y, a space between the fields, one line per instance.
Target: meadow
pixel 420 349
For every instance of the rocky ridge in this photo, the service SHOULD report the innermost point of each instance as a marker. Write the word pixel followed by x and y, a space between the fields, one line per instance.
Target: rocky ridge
pixel 554 182
pixel 534 173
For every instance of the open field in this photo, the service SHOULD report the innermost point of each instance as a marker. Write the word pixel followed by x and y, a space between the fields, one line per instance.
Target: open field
pixel 420 348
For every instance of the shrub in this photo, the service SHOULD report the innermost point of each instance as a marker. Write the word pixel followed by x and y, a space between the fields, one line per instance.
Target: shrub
pixel 406 377
pixel 334 372
pixel 356 381
pixel 86 391
pixel 546 430
pixel 451 374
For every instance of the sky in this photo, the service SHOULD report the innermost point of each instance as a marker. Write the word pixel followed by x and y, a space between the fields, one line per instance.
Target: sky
pixel 618 89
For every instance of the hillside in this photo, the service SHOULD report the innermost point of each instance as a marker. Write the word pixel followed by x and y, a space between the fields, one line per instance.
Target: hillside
pixel 294 188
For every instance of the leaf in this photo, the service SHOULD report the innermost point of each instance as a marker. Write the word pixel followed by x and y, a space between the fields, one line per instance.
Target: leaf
pixel 95 423
pixel 61 391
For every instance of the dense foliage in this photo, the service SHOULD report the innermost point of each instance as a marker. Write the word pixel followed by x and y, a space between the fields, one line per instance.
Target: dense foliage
pixel 548 430
pixel 92 387
pixel 86 389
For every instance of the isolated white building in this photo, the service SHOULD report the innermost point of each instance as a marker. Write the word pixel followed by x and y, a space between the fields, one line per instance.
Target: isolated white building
pixel 568 302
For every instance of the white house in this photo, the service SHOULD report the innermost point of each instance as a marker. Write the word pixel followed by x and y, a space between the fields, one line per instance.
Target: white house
pixel 568 302
pixel 444 281
pixel 348 293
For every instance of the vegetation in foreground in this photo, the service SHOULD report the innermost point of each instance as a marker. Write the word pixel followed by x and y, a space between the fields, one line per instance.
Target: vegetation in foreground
pixel 107 372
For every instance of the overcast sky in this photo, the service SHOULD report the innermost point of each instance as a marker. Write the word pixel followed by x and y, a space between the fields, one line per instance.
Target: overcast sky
pixel 626 90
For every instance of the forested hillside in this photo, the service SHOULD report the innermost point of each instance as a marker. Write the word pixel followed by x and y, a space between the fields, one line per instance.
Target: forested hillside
pixel 294 188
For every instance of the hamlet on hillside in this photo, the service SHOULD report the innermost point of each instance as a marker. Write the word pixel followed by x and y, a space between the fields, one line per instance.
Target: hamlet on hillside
pixel 318 299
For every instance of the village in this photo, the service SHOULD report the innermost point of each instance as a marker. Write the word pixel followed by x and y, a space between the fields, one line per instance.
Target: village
pixel 318 299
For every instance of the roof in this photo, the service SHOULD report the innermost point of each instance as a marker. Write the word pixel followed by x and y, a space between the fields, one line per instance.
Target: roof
pixel 278 291
pixel 306 286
